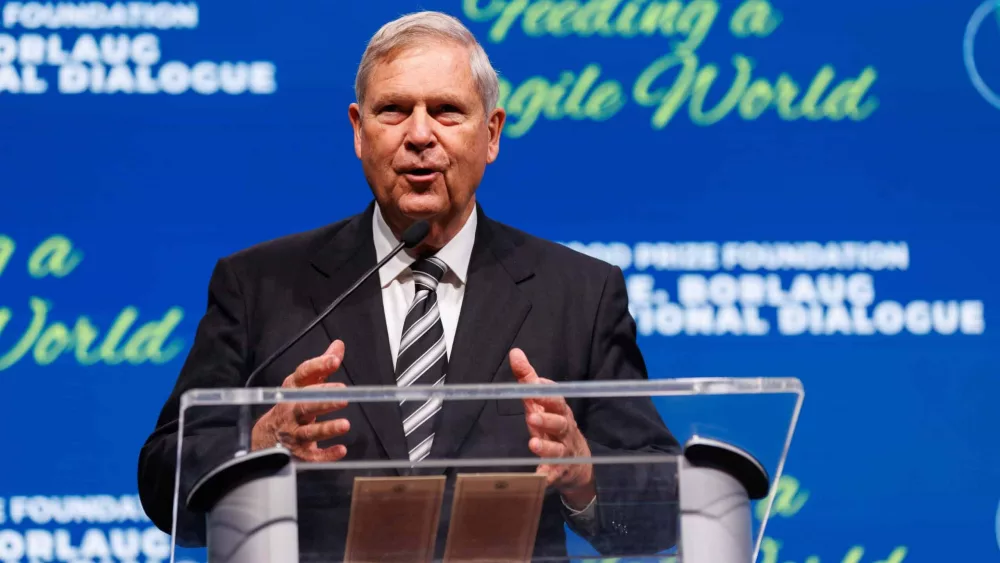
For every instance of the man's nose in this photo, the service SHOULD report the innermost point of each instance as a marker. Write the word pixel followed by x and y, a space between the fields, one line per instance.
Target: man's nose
pixel 420 134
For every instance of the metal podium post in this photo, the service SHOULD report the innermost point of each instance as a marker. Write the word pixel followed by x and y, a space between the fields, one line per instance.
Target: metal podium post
pixel 251 508
pixel 717 481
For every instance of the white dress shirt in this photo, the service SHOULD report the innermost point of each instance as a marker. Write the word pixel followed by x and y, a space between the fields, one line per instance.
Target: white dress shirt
pixel 397 294
pixel 397 279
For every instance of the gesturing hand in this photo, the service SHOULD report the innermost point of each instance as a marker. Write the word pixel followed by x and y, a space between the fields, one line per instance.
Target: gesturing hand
pixel 294 424
pixel 554 433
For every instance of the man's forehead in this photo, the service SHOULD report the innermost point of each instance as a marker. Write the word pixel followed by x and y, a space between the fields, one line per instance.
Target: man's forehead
pixel 438 69
pixel 415 58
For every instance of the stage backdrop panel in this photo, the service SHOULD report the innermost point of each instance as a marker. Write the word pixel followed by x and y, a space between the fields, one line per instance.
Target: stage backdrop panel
pixel 791 188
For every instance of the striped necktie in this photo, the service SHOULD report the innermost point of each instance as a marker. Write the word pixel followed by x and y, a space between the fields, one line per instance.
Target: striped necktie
pixel 422 358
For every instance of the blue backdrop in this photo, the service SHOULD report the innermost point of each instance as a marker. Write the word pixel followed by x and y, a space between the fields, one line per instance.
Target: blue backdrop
pixel 792 188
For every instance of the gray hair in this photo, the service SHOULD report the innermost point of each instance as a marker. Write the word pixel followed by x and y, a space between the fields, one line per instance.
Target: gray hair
pixel 410 28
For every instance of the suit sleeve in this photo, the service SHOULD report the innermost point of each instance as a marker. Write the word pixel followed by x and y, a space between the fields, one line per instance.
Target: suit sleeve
pixel 217 359
pixel 636 508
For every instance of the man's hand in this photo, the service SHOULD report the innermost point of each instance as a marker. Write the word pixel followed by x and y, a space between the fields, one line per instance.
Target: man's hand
pixel 294 424
pixel 554 433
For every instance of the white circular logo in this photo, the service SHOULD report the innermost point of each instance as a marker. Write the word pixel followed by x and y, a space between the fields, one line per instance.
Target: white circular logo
pixel 998 525
pixel 982 16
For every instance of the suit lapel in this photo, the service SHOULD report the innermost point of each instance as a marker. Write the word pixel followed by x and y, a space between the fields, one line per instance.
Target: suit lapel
pixel 493 310
pixel 359 321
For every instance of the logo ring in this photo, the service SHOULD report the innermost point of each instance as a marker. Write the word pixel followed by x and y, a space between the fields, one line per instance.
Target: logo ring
pixel 968 52
pixel 998 525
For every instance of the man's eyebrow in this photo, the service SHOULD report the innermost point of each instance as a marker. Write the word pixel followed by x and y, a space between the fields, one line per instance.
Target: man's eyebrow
pixel 449 98
pixel 445 97
pixel 385 96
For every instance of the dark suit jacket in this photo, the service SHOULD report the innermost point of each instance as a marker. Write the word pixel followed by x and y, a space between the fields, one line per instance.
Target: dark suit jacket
pixel 567 311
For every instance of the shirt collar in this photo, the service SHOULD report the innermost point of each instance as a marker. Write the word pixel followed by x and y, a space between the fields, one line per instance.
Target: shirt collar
pixel 456 254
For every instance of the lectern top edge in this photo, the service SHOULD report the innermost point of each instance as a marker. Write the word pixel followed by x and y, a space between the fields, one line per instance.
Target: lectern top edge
pixel 364 394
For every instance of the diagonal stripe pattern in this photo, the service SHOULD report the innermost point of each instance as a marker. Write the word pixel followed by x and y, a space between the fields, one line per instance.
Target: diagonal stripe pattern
pixel 423 356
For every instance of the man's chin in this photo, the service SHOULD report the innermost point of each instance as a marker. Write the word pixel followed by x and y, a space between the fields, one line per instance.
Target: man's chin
pixel 422 206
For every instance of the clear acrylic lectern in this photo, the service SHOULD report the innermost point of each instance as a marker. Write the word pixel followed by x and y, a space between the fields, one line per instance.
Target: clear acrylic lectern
pixel 674 470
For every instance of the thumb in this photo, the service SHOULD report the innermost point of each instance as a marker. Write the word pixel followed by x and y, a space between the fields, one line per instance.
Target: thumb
pixel 521 367
pixel 336 348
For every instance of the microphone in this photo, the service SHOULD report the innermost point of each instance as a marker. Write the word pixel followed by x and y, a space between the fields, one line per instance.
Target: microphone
pixel 412 236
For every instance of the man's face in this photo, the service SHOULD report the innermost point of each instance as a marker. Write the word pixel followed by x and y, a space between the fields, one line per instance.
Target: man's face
pixel 424 139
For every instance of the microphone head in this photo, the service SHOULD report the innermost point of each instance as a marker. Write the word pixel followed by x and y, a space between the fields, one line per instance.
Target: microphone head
pixel 416 233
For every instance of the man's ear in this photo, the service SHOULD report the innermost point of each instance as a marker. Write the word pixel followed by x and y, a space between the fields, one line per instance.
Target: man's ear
pixel 354 113
pixel 494 126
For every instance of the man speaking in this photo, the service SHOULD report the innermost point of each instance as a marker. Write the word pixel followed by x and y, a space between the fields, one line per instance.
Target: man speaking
pixel 475 302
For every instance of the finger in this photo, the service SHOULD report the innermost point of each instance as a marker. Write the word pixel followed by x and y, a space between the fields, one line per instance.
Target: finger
pixel 555 405
pixel 546 448
pixel 532 431
pixel 553 473
pixel 336 348
pixel 310 372
pixel 306 412
pixel 555 425
pixel 316 370
pixel 524 373
pixel 317 431
pixel 313 453
pixel 531 406
pixel 519 364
